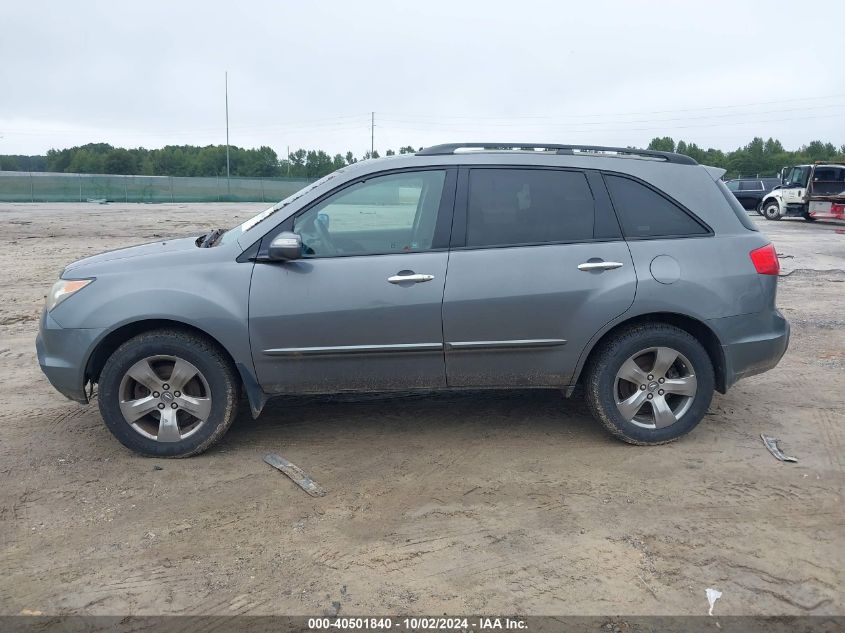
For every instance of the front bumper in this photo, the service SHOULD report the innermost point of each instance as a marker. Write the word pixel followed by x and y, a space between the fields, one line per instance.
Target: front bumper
pixel 751 343
pixel 63 354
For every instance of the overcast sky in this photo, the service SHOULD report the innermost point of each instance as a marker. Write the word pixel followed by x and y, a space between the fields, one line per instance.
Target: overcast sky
pixel 308 74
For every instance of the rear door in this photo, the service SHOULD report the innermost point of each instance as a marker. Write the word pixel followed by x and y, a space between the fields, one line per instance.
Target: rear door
pixel 537 267
pixel 362 309
pixel 750 192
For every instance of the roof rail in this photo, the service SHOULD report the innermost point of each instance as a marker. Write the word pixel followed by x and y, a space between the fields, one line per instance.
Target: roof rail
pixel 452 148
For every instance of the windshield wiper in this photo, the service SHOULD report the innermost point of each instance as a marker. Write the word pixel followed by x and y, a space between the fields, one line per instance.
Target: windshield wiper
pixel 210 238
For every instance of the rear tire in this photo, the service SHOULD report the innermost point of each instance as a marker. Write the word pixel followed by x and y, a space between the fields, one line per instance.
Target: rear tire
pixel 663 400
pixel 771 211
pixel 153 417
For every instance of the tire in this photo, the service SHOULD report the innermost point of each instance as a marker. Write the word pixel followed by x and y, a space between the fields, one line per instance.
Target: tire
pixel 771 210
pixel 691 369
pixel 135 382
pixel 759 209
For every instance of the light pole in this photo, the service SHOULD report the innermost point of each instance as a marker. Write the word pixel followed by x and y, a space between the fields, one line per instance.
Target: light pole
pixel 228 181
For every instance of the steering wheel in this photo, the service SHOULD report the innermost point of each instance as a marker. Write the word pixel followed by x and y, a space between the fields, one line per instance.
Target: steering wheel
pixel 325 238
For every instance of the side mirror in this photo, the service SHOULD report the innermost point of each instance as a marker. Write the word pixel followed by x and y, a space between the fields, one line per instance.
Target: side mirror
pixel 285 246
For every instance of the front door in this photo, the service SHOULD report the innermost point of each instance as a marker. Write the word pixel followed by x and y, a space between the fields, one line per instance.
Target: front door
pixel 362 309
pixel 795 187
pixel 538 266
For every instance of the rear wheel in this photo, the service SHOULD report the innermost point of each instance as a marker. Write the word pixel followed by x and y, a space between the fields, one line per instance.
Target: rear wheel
pixel 168 393
pixel 650 384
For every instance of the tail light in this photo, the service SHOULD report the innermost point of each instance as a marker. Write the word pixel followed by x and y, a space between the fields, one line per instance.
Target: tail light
pixel 765 260
pixel 837 209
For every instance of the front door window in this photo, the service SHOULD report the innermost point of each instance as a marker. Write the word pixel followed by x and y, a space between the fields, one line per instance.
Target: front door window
pixel 395 213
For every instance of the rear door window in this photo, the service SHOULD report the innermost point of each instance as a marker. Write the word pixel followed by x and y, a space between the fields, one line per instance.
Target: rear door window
pixel 750 185
pixel 644 213
pixel 513 206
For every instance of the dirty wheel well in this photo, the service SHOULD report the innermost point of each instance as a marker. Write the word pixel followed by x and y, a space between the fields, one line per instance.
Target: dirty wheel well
pixel 122 334
pixel 696 328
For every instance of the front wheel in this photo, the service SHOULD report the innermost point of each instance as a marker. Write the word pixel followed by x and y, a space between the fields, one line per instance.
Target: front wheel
pixel 168 393
pixel 771 210
pixel 650 384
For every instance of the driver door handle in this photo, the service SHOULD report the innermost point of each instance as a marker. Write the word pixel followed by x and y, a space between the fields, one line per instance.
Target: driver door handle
pixel 409 276
pixel 599 265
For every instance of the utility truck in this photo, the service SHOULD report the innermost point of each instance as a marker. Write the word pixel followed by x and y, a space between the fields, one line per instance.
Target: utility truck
pixel 812 192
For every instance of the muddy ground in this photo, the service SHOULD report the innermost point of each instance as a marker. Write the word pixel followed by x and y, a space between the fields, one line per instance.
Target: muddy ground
pixel 490 502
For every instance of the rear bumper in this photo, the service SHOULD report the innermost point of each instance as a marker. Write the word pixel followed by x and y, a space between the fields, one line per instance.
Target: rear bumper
pixel 62 354
pixel 751 343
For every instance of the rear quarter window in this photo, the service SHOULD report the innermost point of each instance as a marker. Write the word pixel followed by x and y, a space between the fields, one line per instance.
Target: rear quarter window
pixel 645 213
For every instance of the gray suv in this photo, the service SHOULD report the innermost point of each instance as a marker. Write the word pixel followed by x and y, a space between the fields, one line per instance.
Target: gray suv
pixel 634 275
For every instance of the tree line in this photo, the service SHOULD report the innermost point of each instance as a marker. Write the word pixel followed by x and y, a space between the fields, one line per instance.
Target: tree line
pixel 186 160
pixel 758 157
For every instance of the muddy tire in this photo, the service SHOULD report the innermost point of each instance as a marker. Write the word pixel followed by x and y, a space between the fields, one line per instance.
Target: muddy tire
pixel 650 384
pixel 168 393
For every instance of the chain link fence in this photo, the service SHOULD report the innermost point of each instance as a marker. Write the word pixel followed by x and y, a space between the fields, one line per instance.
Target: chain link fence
pixel 22 186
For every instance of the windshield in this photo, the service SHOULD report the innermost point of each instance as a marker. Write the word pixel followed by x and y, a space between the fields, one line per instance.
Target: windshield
pixel 798 176
pixel 236 232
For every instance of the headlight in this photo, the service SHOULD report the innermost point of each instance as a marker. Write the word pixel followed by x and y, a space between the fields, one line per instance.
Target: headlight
pixel 64 288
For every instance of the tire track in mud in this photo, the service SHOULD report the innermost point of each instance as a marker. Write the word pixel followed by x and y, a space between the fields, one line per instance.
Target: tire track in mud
pixel 831 425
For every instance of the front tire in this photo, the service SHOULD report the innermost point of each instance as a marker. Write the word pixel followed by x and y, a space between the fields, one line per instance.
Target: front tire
pixel 771 210
pixel 168 393
pixel 650 384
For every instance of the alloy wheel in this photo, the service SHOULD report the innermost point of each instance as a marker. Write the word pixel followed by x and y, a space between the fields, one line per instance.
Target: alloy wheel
pixel 655 387
pixel 165 398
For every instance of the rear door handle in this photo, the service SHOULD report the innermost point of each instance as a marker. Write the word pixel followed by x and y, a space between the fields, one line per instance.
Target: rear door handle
pixel 409 276
pixel 588 266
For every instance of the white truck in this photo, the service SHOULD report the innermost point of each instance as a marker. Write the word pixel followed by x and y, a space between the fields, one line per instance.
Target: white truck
pixel 809 191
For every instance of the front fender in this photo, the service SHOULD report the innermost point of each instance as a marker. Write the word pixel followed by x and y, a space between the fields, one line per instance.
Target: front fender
pixel 213 299
pixel 770 198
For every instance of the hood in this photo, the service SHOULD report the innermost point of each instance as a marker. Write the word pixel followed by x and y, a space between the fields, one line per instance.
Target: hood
pixel 143 250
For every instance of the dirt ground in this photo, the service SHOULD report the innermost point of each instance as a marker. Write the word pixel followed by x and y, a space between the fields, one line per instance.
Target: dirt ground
pixel 480 502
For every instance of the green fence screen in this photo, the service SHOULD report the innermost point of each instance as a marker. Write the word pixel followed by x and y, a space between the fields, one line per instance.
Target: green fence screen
pixel 22 186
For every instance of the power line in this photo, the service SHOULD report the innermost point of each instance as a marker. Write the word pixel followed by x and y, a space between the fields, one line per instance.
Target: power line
pixel 471 130
pixel 351 121
pixel 593 114
pixel 691 118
